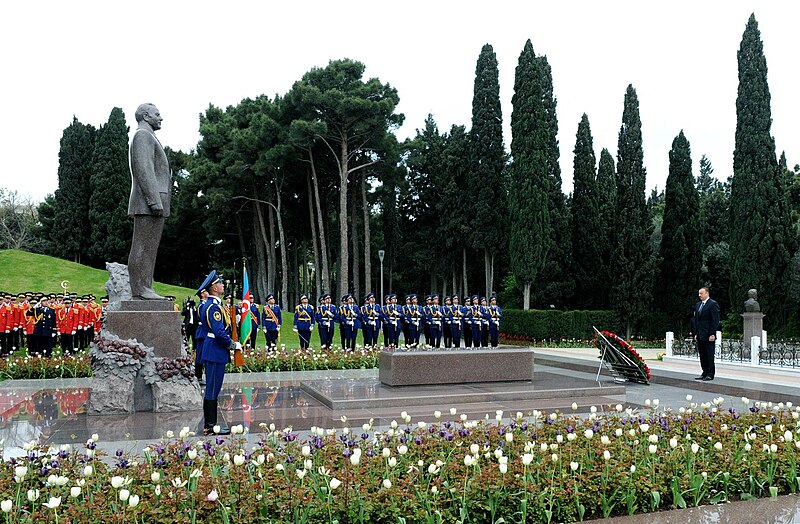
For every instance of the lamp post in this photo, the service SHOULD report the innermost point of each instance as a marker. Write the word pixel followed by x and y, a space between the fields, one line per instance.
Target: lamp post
pixel 381 254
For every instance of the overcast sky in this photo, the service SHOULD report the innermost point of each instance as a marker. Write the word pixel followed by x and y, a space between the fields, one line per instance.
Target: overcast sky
pixel 83 58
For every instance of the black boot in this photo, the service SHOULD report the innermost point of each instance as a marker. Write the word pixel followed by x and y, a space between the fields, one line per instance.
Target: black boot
pixel 211 420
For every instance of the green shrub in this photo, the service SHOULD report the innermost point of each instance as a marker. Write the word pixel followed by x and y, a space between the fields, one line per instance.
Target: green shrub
pixel 556 324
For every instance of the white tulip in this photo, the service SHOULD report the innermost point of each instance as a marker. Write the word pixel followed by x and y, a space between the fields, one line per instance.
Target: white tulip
pixel 124 494
pixel 184 432
pixel 6 506
pixel 335 483
pixel 503 468
pixel 606 455
pixel 574 406
pixel 192 454
pixel 88 471
pixel 53 503
pixel 212 496
pixel 509 437
pixel 117 482
pixel 402 449
pixel 527 458
pixel 74 491
pixel 388 483
pixel 33 494
pixel 573 466
pixel 605 440
pixel 392 462
pixel 238 460
pixel 588 433
pixel 652 448
pixel 653 438
pixel 133 501
pixel 695 447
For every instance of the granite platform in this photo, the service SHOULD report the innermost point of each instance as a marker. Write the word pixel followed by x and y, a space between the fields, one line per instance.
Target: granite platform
pixel 455 366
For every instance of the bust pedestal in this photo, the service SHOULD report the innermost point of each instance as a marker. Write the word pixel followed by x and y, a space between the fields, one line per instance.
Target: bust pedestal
pixel 753 326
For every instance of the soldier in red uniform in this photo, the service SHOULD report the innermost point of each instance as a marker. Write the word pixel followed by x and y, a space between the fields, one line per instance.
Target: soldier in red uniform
pixel 67 320
pixel 5 325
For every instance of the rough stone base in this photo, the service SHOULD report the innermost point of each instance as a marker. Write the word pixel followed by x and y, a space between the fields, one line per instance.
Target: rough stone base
pixel 110 396
pixel 176 396
pixel 413 368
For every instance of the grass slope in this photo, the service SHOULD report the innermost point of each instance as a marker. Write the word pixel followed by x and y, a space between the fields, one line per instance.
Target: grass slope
pixel 22 271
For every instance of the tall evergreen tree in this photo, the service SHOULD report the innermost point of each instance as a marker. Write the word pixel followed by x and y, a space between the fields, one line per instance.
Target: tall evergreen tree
pixel 530 237
pixel 586 227
pixel 633 256
pixel 110 184
pixel 486 136
pixel 557 284
pixel 681 248
pixel 607 213
pixel 761 240
pixel 71 230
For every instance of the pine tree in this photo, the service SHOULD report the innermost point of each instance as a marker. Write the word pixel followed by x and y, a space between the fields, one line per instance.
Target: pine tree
pixel 761 240
pixel 71 230
pixel 558 286
pixel 586 227
pixel 633 255
pixel 486 137
pixel 607 216
pixel 110 190
pixel 681 249
pixel 530 236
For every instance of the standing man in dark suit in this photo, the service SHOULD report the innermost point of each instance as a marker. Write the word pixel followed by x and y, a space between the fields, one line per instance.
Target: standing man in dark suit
pixel 151 182
pixel 704 326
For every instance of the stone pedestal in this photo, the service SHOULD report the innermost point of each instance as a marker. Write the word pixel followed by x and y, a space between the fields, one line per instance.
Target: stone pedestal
pixel 414 368
pixel 154 323
pixel 753 326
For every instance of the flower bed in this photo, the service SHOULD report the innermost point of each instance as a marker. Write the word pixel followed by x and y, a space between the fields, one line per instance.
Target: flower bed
pixel 536 468
pixel 255 360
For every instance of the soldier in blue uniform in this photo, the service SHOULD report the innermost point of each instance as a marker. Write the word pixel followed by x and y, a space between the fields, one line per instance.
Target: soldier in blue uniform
pixel 435 322
pixel 447 322
pixel 405 312
pixel 388 332
pixel 455 316
pixel 370 320
pixel 255 319
pixel 475 321
pixel 326 320
pixel 304 321
pixel 415 322
pixel 271 319
pixel 484 309
pixel 349 322
pixel 495 314
pixel 216 348
pixel 426 324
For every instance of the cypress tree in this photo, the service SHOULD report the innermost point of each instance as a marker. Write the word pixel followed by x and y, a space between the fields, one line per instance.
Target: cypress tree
pixel 110 191
pixel 607 217
pixel 558 286
pixel 530 236
pixel 586 228
pixel 761 239
pixel 71 230
pixel 488 160
pixel 633 254
pixel 681 249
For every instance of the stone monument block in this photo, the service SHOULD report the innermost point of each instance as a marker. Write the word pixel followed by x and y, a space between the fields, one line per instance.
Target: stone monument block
pixel 156 328
pixel 173 396
pixel 111 396
pixel 753 326
pixel 414 368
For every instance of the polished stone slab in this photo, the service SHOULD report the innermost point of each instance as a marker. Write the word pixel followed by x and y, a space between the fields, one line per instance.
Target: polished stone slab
pixel 147 305
pixel 455 366
pixel 160 330
pixel 372 393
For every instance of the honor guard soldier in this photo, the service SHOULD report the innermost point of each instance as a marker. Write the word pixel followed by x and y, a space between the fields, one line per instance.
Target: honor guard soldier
pixel 67 320
pixel 5 325
pixel 415 322
pixel 271 320
pixel 371 324
pixel 349 322
pixel 255 324
pixel 326 320
pixel 31 314
pixel 495 314
pixel 447 323
pixel 386 320
pixel 217 348
pixel 475 321
pixel 304 321
pixel 484 309
pixel 426 324
pixel 46 329
pixel 456 320
pixel 435 323
pixel 405 315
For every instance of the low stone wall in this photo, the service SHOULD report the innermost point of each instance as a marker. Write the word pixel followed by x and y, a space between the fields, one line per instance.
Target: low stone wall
pixel 449 366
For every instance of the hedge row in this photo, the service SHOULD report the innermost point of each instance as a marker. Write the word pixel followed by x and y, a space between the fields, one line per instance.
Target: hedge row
pixel 556 324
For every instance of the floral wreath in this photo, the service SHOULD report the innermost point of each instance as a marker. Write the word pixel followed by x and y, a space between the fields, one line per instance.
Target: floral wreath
pixel 621 344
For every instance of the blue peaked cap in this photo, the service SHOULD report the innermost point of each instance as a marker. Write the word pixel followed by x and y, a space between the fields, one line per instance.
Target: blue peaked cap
pixel 211 279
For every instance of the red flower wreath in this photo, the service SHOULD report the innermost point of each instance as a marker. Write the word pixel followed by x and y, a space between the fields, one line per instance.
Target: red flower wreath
pixel 622 344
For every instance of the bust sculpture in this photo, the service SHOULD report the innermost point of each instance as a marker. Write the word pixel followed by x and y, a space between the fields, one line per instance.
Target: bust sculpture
pixel 751 304
pixel 149 201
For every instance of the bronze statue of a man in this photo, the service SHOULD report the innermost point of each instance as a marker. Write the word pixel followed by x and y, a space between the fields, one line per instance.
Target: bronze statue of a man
pixel 149 202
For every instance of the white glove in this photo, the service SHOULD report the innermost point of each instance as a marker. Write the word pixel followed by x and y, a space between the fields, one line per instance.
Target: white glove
pixel 237 346
pixel 294 329
pixel 265 331
pixel 73 332
pixel 311 328
pixel 54 335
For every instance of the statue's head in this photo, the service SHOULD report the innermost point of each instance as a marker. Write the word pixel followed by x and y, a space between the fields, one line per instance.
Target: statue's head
pixel 149 113
pixel 752 293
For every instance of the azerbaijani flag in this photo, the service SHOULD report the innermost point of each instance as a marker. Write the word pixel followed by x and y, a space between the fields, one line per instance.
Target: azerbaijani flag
pixel 246 325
